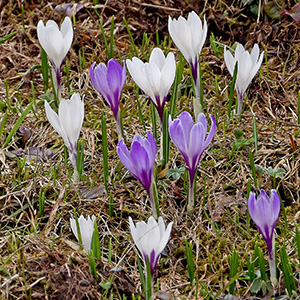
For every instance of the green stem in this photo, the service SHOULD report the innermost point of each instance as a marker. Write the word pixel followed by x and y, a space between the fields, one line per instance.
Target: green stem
pixel 272 264
pixel 191 199
pixel 154 199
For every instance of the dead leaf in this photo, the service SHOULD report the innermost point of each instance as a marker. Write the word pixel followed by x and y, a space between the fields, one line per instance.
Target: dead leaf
pixel 70 9
pixel 294 12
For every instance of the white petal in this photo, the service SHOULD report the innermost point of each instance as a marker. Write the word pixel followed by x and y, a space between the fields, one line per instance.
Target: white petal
pixel 135 68
pixel 181 35
pixel 74 227
pixel 168 74
pixel 71 113
pixel 157 57
pixel 229 61
pixel 55 122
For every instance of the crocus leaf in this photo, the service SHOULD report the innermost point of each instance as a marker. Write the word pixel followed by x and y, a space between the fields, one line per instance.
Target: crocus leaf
pixel 272 10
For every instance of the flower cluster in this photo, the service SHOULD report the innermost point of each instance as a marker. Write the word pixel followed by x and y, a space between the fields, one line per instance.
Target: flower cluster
pixel 192 138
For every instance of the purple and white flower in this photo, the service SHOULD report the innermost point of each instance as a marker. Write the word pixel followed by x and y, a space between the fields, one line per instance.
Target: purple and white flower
pixel 150 238
pixel 68 123
pixel 248 65
pixel 155 77
pixel 189 36
pixel 56 43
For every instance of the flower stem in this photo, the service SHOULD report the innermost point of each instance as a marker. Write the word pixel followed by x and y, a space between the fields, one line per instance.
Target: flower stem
pixel 191 199
pixel 272 270
pixel 76 176
pixel 272 263
pixel 149 281
pixel 240 104
pixel 154 199
pixel 119 127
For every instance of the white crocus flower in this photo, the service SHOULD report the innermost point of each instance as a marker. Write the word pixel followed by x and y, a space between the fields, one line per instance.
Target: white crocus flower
pixel 155 77
pixel 86 226
pixel 248 65
pixel 68 122
pixel 150 238
pixel 56 42
pixel 189 36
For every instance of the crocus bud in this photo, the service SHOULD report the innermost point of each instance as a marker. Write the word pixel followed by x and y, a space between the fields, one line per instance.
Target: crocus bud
pixel 56 42
pixel 140 162
pixel 189 36
pixel 86 226
pixel 264 212
pixel 68 123
pixel 191 140
pixel 109 82
pixel 248 65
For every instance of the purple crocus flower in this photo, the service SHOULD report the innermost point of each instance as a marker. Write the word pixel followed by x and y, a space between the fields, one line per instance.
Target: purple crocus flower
pixel 150 238
pixel 109 82
pixel 140 161
pixel 191 141
pixel 264 212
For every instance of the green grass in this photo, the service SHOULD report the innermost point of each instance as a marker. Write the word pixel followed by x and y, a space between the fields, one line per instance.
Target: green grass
pixel 215 249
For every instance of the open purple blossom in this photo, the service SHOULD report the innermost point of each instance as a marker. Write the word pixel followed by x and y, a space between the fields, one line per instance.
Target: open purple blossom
pixel 189 36
pixel 264 212
pixel 191 140
pixel 154 78
pixel 140 161
pixel 109 82
pixel 150 238
pixel 248 65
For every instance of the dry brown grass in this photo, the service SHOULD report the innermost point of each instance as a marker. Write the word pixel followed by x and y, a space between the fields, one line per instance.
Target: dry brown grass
pixel 40 257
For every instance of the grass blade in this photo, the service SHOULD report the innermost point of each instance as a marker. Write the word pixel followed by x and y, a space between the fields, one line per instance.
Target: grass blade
pixel 177 81
pixel 253 168
pixel 142 277
pixel 17 125
pixel 166 137
pixel 3 123
pixel 104 151
pixel 153 117
pixel 234 262
pixel 287 271
pixel 190 261
pixel 111 45
pixel 104 39
pixel 45 68
pixel 262 265
pixel 255 134
pixel 130 37
pixel 7 37
pixel 96 248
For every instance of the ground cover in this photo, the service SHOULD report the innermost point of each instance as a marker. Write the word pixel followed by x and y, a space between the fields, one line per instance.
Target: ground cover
pixel 40 257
